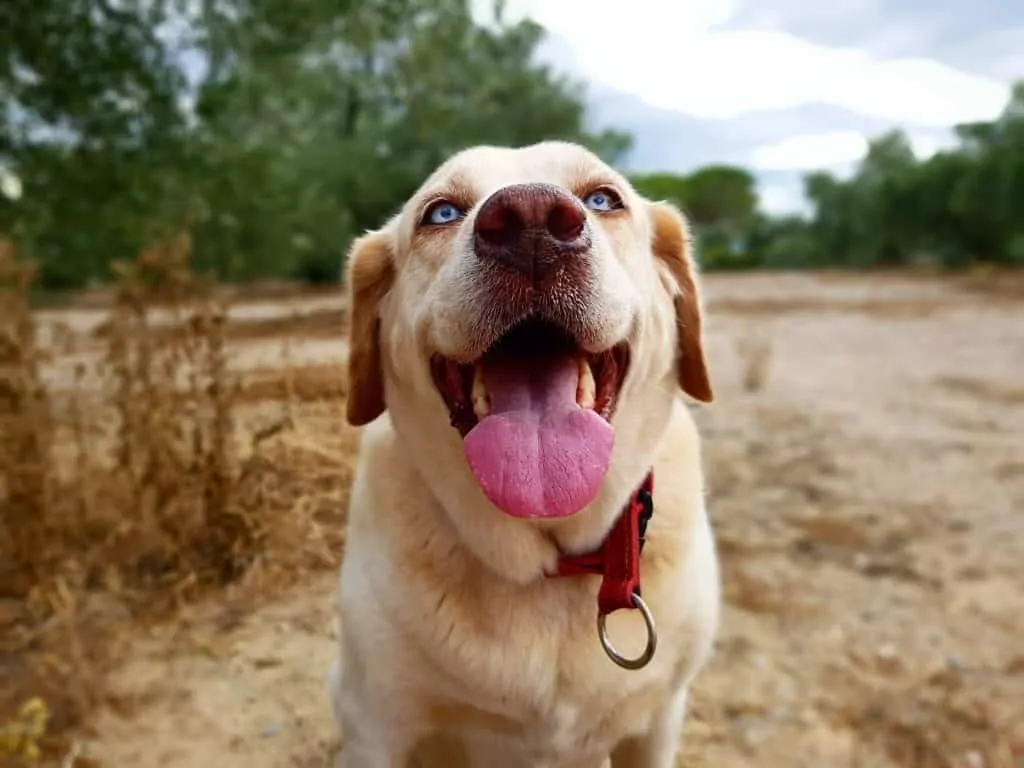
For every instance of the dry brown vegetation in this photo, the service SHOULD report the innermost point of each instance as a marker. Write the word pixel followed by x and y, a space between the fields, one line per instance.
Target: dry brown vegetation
pixel 173 485
pixel 132 489
pixel 755 351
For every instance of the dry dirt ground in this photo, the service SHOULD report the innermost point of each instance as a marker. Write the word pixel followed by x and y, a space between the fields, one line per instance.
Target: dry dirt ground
pixel 866 478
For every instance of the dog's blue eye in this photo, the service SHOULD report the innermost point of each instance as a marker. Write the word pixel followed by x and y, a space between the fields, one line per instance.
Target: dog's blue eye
pixel 442 213
pixel 600 201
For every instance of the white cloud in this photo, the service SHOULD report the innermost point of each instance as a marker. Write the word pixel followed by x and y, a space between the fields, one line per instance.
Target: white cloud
pixel 835 151
pixel 927 144
pixel 810 151
pixel 781 199
pixel 672 55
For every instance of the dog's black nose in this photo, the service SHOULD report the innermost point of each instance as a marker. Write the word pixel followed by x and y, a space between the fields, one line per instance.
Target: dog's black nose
pixel 531 228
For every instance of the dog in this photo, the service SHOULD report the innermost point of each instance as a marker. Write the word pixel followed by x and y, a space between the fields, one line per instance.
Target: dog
pixel 530 577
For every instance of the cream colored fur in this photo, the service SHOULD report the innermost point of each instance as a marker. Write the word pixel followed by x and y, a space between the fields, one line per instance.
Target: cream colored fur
pixel 456 650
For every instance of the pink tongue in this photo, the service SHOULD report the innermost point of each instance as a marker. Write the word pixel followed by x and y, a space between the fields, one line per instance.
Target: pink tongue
pixel 538 454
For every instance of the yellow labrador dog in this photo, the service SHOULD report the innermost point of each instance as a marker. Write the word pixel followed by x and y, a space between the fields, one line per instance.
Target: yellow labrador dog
pixel 530 578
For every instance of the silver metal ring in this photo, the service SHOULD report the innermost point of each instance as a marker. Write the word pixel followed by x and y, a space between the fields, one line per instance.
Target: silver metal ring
pixel 644 658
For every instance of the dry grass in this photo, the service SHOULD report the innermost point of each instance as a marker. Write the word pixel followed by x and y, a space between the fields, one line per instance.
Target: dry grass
pixel 885 307
pixel 755 352
pixel 129 495
pixel 991 282
pixel 299 383
pixel 982 389
pixel 315 324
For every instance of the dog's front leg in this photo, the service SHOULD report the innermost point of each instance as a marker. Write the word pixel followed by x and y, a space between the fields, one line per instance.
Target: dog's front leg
pixel 356 753
pixel 658 747
pixel 373 735
pixel 600 762
pixel 375 744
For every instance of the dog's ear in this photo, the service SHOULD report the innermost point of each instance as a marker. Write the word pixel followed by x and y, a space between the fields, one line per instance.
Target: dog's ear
pixel 369 275
pixel 671 245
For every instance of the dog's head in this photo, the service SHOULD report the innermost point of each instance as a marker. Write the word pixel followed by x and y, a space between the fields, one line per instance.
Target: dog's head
pixel 534 301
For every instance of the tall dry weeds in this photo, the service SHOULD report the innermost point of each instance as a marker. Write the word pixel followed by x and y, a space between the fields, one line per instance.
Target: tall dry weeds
pixel 122 489
pixel 27 433
pixel 172 398
pixel 755 351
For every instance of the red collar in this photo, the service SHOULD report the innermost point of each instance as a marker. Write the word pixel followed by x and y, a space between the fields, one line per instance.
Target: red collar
pixel 617 560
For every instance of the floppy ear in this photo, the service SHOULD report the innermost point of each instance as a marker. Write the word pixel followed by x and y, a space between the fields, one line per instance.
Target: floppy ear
pixel 370 274
pixel 671 244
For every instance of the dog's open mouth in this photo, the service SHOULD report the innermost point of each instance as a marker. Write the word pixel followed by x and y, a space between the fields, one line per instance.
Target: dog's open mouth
pixel 535 415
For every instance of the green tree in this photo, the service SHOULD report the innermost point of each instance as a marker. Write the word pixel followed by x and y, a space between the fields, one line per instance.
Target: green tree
pixel 721 203
pixel 722 196
pixel 307 124
pixel 719 196
pixel 273 133
pixel 91 121
pixel 957 206
pixel 671 187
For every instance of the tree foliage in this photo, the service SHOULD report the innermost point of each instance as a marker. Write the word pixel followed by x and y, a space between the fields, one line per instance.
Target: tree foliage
pixel 271 130
pixel 274 130
pixel 961 205
pixel 958 206
pixel 721 203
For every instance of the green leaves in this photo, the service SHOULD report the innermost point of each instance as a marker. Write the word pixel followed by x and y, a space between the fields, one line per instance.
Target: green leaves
pixel 722 196
pixel 272 130
pixel 721 204
pixel 955 207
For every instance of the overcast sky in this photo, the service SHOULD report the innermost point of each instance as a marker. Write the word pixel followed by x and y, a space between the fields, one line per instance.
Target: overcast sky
pixel 782 86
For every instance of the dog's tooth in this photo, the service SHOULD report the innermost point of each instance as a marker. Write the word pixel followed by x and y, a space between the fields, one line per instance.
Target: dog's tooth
pixel 481 401
pixel 586 389
pixel 482 406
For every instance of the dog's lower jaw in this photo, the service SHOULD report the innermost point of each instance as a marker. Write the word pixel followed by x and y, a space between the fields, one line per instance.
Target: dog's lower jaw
pixel 585 531
pixel 516 550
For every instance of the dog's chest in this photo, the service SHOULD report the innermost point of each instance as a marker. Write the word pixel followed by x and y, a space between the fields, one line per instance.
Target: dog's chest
pixel 566 735
pixel 565 732
pixel 532 678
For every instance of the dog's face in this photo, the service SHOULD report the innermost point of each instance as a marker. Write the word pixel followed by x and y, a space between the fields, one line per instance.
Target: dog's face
pixel 531 298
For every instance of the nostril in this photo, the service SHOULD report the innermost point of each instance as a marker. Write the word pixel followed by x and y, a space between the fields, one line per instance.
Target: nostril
pixel 499 225
pixel 566 220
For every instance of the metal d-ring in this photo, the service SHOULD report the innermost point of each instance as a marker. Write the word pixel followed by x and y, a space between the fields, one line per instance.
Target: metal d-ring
pixel 644 658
